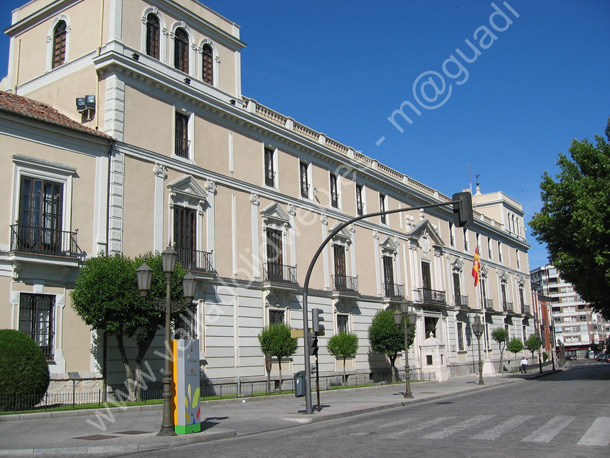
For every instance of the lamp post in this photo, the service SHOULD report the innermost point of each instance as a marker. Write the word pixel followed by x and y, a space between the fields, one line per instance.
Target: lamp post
pixel 144 274
pixel 477 328
pixel 539 356
pixel 407 315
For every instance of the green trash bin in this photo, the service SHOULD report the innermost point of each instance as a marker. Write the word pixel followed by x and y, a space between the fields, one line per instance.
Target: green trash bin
pixel 299 384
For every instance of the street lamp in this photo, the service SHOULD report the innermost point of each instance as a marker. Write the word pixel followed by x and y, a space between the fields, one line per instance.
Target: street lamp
pixel 144 274
pixel 477 328
pixel 407 315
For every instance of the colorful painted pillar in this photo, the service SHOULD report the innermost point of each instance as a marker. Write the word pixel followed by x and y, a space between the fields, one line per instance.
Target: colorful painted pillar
pixel 185 386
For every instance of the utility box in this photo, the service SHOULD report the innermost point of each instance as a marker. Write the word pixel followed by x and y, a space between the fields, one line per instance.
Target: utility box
pixel 299 384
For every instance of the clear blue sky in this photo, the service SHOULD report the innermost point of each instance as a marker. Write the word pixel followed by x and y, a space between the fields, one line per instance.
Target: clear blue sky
pixel 342 67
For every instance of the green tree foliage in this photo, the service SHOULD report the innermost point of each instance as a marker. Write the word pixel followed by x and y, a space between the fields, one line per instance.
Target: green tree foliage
pixel 501 336
pixel 574 221
pixel 386 338
pixel 107 298
pixel 533 343
pixel 24 373
pixel 515 346
pixel 276 340
pixel 343 345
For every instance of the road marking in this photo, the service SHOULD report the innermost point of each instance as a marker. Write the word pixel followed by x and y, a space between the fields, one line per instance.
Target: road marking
pixel 502 428
pixel 361 424
pixel 404 421
pixel 459 427
pixel 598 433
pixel 419 427
pixel 552 427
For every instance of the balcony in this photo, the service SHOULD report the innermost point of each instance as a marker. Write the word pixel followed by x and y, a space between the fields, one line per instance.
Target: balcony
pixel 507 306
pixel 489 304
pixel 196 261
pixel 182 147
pixel 280 273
pixel 44 241
pixel 461 301
pixel 429 296
pixel 393 291
pixel 526 309
pixel 344 286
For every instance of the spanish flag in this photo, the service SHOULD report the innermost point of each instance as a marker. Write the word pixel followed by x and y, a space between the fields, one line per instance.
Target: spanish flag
pixel 476 266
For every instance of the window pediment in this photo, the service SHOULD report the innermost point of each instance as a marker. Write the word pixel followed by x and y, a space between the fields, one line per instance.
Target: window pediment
pixel 343 235
pixel 186 191
pixel 389 245
pixel 425 230
pixel 274 213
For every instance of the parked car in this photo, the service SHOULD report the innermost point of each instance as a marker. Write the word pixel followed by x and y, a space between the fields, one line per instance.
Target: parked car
pixel 608 358
pixel 600 357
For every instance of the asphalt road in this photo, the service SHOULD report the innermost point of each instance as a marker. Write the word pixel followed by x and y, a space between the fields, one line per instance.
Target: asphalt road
pixel 563 415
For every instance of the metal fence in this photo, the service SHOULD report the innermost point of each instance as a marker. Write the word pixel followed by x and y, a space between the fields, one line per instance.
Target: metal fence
pixel 74 400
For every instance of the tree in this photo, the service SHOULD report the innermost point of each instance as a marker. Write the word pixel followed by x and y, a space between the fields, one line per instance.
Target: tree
pixel 533 343
pixel 343 345
pixel 107 298
pixel 501 336
pixel 276 340
pixel 386 338
pixel 574 221
pixel 515 346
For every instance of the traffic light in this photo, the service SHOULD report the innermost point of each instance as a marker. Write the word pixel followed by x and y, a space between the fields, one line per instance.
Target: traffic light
pixel 462 209
pixel 313 345
pixel 318 328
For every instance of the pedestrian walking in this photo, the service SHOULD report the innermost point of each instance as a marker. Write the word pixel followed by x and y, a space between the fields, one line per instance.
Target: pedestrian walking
pixel 524 365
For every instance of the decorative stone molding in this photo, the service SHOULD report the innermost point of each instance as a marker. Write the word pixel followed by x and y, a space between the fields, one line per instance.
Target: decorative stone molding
pixel 211 187
pixel 160 171
pixel 255 199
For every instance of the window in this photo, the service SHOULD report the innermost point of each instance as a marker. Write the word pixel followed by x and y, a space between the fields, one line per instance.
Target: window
pixel 184 235
pixel 518 260
pixel 478 241
pixel 388 276
pixel 466 248
pixel 334 196
pixel 382 207
pixel 274 255
pixel 499 251
pixel 269 167
pixel 181 50
pixel 452 234
pixel 182 137
pixel 342 323
pixel 36 320
pixel 59 44
pixel 304 173
pixel 490 248
pixel 426 278
pixel 359 203
pixel 457 288
pixel 521 299
pixel 40 216
pixel 340 277
pixel 460 335
pixel 208 64
pixel 276 316
pixel 152 35
pixel 503 291
pixel 582 317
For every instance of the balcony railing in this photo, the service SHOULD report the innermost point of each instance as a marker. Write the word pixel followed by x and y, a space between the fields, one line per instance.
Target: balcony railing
pixel 42 240
pixel 345 283
pixel 195 260
pixel 182 147
pixel 508 306
pixel 489 304
pixel 461 301
pixel 430 296
pixel 279 273
pixel 526 309
pixel 393 290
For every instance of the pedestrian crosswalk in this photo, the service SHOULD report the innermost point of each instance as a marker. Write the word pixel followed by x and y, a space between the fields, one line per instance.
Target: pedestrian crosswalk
pixel 540 429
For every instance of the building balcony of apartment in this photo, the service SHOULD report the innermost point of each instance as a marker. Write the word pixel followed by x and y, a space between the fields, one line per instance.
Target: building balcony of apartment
pixel 393 292
pixel 508 307
pixel 345 286
pixel 526 309
pixel 199 263
pixel 461 300
pixel 429 296
pixel 489 304
pixel 280 277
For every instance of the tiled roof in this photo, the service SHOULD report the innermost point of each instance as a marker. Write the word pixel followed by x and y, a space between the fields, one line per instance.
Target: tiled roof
pixel 28 108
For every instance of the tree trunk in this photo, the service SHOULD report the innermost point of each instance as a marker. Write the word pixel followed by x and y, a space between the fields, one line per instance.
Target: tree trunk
pixel 392 368
pixel 279 363
pixel 143 347
pixel 344 377
pixel 128 371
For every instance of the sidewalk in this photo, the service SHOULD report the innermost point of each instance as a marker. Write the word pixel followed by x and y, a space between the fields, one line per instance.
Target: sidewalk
pixel 135 428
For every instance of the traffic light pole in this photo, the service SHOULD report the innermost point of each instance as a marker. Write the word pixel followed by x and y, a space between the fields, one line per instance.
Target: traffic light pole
pixel 460 203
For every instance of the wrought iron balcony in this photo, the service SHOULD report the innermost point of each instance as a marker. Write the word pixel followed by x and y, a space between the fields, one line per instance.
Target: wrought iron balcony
pixel 393 290
pixel 42 240
pixel 282 273
pixel 195 260
pixel 508 306
pixel 461 301
pixel 489 304
pixel 182 147
pixel 429 296
pixel 526 309
pixel 345 283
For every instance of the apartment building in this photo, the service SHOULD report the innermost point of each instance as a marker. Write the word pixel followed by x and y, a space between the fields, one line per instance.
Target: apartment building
pixel 575 324
pixel 244 193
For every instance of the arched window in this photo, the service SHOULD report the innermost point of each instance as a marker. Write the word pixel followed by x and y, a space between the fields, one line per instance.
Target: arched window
pixel 152 35
pixel 59 44
pixel 181 50
pixel 208 64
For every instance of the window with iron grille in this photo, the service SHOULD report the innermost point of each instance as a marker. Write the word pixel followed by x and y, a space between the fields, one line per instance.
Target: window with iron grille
pixel 342 323
pixel 460 335
pixel 334 195
pixel 426 277
pixel 276 317
pixel 182 140
pixel 382 207
pixel 208 64
pixel 181 50
pixel 36 320
pixel 59 44
pixel 359 204
pixel 152 35
pixel 456 287
pixel 184 235
pixel 40 215
pixel 269 167
pixel 304 171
